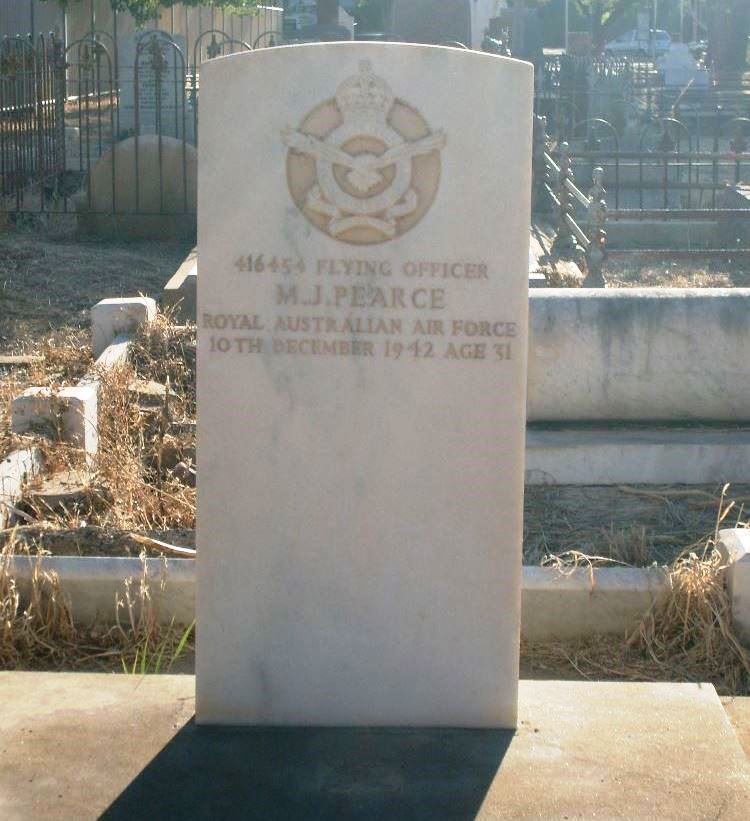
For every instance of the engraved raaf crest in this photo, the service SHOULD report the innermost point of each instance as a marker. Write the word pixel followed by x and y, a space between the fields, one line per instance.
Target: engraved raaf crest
pixel 363 167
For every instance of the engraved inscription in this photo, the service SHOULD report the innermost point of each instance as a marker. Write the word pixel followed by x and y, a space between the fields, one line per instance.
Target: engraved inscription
pixel 356 307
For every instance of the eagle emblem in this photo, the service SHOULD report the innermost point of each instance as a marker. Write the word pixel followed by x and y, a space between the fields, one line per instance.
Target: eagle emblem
pixel 363 167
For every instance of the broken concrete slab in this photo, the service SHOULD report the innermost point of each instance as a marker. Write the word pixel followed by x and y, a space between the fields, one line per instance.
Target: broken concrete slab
pixel 16 469
pixel 113 317
pixel 116 353
pixel 150 394
pixel 126 747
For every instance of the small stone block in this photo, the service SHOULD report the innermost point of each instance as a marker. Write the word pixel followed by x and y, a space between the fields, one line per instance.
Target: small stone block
pixel 112 317
pixel 16 469
pixel 116 353
pixel 734 545
pixel 70 413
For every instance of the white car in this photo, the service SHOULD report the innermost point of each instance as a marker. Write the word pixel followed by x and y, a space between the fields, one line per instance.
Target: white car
pixel 632 42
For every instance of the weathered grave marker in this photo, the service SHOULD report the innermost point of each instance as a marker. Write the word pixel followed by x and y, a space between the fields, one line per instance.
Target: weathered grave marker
pixel 362 353
pixel 153 97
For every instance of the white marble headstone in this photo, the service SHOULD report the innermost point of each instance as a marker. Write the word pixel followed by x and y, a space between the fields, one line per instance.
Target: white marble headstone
pixel 363 238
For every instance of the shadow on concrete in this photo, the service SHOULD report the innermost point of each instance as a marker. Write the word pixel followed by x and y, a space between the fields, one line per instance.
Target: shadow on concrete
pixel 316 773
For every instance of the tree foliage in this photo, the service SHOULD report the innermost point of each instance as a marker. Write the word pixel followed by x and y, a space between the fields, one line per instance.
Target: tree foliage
pixel 145 10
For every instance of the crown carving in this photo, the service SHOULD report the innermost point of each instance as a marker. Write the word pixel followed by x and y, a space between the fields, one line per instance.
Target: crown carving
pixel 364 93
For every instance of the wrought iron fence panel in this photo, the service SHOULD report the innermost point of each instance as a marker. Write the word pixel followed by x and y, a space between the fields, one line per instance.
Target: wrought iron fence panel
pixel 90 103
pixel 31 121
pixel 115 109
pixel 664 170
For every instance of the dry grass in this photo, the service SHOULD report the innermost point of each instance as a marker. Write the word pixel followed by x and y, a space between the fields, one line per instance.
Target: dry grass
pixel 37 630
pixel 146 451
pixel 631 525
pixel 143 475
pixel 687 635
pixel 131 466
pixel 165 352
pixel 36 627
pixel 643 271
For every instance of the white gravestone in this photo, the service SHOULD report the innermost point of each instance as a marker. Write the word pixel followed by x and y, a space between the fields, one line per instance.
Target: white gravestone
pixel 363 235
pixel 153 99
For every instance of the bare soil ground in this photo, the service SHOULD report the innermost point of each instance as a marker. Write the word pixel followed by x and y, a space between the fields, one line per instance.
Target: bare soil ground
pixel 48 285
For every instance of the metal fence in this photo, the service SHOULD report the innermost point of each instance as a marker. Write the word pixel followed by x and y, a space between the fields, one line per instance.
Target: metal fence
pixel 31 118
pixel 63 107
pixel 665 165
pixel 669 171
pixel 67 113
pixel 627 93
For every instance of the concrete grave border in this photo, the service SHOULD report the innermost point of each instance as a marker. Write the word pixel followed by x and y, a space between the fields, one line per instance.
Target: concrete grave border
pixel 555 604
pixel 74 409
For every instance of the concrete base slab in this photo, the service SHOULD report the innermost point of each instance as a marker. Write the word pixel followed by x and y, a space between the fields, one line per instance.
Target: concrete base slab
pixel 79 745
pixel 636 455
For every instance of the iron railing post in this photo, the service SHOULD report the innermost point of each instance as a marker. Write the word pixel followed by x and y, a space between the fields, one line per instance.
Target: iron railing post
pixel 540 201
pixel 565 245
pixel 596 252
